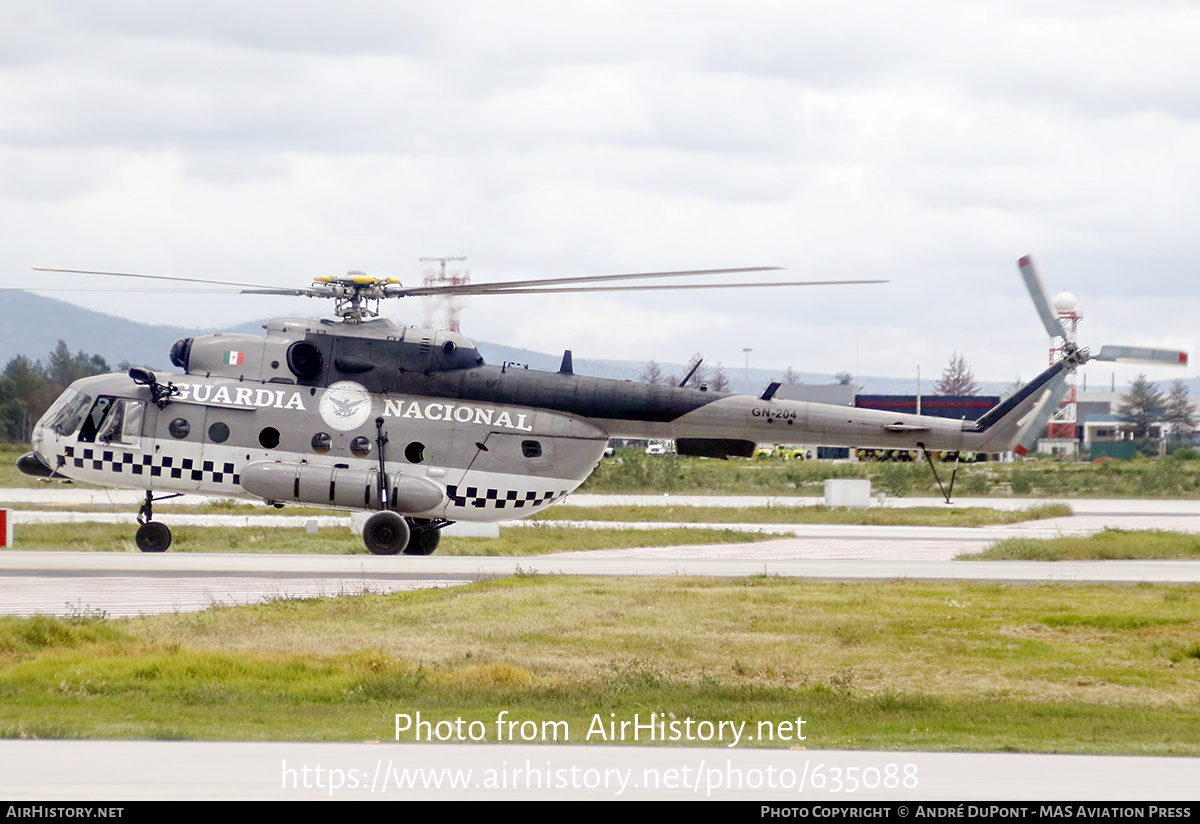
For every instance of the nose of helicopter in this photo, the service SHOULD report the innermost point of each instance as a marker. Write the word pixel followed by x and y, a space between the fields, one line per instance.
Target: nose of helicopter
pixel 35 464
pixel 31 464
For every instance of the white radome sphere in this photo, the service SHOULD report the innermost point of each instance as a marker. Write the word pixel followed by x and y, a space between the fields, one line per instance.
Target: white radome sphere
pixel 1064 302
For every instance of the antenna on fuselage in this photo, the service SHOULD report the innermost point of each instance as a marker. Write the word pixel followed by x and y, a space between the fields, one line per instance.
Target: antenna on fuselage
pixel 683 382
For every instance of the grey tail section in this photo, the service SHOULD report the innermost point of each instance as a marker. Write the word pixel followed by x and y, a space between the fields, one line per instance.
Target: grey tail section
pixel 998 428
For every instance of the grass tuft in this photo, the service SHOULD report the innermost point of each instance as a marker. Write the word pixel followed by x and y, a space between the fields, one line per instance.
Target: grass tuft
pixel 1106 545
pixel 43 632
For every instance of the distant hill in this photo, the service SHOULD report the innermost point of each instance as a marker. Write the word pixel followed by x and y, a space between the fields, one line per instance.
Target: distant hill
pixel 32 325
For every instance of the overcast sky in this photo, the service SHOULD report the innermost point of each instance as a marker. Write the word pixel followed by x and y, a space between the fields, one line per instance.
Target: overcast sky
pixel 930 143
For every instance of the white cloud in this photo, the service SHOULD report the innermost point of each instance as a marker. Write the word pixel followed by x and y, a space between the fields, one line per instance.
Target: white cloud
pixel 929 145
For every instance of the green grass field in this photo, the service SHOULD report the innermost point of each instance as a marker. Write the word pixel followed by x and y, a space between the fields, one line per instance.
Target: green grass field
pixel 901 665
pixel 632 472
pixel 535 539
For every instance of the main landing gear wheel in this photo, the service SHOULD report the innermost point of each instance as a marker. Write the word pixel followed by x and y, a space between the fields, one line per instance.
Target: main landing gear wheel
pixel 153 536
pixel 385 533
pixel 423 540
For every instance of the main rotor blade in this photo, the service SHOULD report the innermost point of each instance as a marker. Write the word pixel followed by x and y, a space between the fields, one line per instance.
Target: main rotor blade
pixel 275 290
pixel 645 287
pixel 1137 354
pixel 1041 299
pixel 482 288
pixel 1032 431
pixel 469 289
pixel 155 277
pixel 150 290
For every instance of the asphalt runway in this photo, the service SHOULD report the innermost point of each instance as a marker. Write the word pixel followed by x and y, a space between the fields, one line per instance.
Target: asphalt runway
pixel 120 584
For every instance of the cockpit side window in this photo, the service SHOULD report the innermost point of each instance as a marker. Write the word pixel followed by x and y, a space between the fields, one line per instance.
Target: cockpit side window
pixel 95 419
pixel 124 423
pixel 114 421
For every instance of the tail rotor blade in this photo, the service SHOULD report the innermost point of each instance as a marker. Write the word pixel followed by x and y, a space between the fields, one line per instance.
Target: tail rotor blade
pixel 1033 428
pixel 1041 299
pixel 1137 354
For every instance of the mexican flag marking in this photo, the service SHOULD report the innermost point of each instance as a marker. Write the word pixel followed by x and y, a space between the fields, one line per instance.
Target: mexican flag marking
pixel 235 358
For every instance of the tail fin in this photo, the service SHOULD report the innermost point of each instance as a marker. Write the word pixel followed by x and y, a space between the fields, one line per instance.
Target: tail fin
pixel 1010 422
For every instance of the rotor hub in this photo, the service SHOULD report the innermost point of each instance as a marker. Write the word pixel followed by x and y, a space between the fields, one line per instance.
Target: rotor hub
pixel 1074 355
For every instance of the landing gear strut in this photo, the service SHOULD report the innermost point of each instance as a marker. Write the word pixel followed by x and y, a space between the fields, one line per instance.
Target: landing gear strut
pixel 953 473
pixel 152 536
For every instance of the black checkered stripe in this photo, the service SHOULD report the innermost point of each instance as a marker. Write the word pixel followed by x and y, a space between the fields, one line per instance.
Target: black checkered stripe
pixel 156 466
pixel 499 499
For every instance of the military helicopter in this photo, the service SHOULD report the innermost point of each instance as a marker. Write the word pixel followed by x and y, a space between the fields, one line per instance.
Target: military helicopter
pixel 412 425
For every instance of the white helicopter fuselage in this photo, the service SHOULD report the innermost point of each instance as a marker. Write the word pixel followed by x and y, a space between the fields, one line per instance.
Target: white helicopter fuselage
pixel 457 461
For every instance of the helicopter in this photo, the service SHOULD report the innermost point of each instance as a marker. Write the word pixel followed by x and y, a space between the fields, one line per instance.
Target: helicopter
pixel 412 425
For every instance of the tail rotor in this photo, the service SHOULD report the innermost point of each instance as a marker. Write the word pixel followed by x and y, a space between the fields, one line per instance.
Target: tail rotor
pixel 1073 357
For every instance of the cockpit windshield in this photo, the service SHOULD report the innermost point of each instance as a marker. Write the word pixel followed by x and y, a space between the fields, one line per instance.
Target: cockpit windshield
pixel 67 412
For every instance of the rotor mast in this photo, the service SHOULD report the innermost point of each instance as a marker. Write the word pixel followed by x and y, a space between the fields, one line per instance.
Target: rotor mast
pixel 356 295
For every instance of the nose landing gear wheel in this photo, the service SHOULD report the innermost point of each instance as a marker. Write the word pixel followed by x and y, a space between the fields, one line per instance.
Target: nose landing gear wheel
pixel 153 536
pixel 385 533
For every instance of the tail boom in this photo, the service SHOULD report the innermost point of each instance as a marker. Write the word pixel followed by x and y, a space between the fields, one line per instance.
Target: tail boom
pixel 741 418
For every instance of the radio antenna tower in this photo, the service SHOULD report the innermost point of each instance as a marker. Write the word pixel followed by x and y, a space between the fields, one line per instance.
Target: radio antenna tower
pixel 442 311
pixel 1063 423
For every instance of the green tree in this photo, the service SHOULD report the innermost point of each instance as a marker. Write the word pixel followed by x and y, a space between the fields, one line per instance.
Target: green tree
pixel 64 369
pixel 791 377
pixel 25 393
pixel 957 378
pixel 718 381
pixel 1140 407
pixel 652 373
pixel 1180 412
pixel 844 378
pixel 27 388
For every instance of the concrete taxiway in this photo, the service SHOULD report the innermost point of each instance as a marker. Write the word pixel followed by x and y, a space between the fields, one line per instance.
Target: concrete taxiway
pixel 133 583
pixel 179 770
